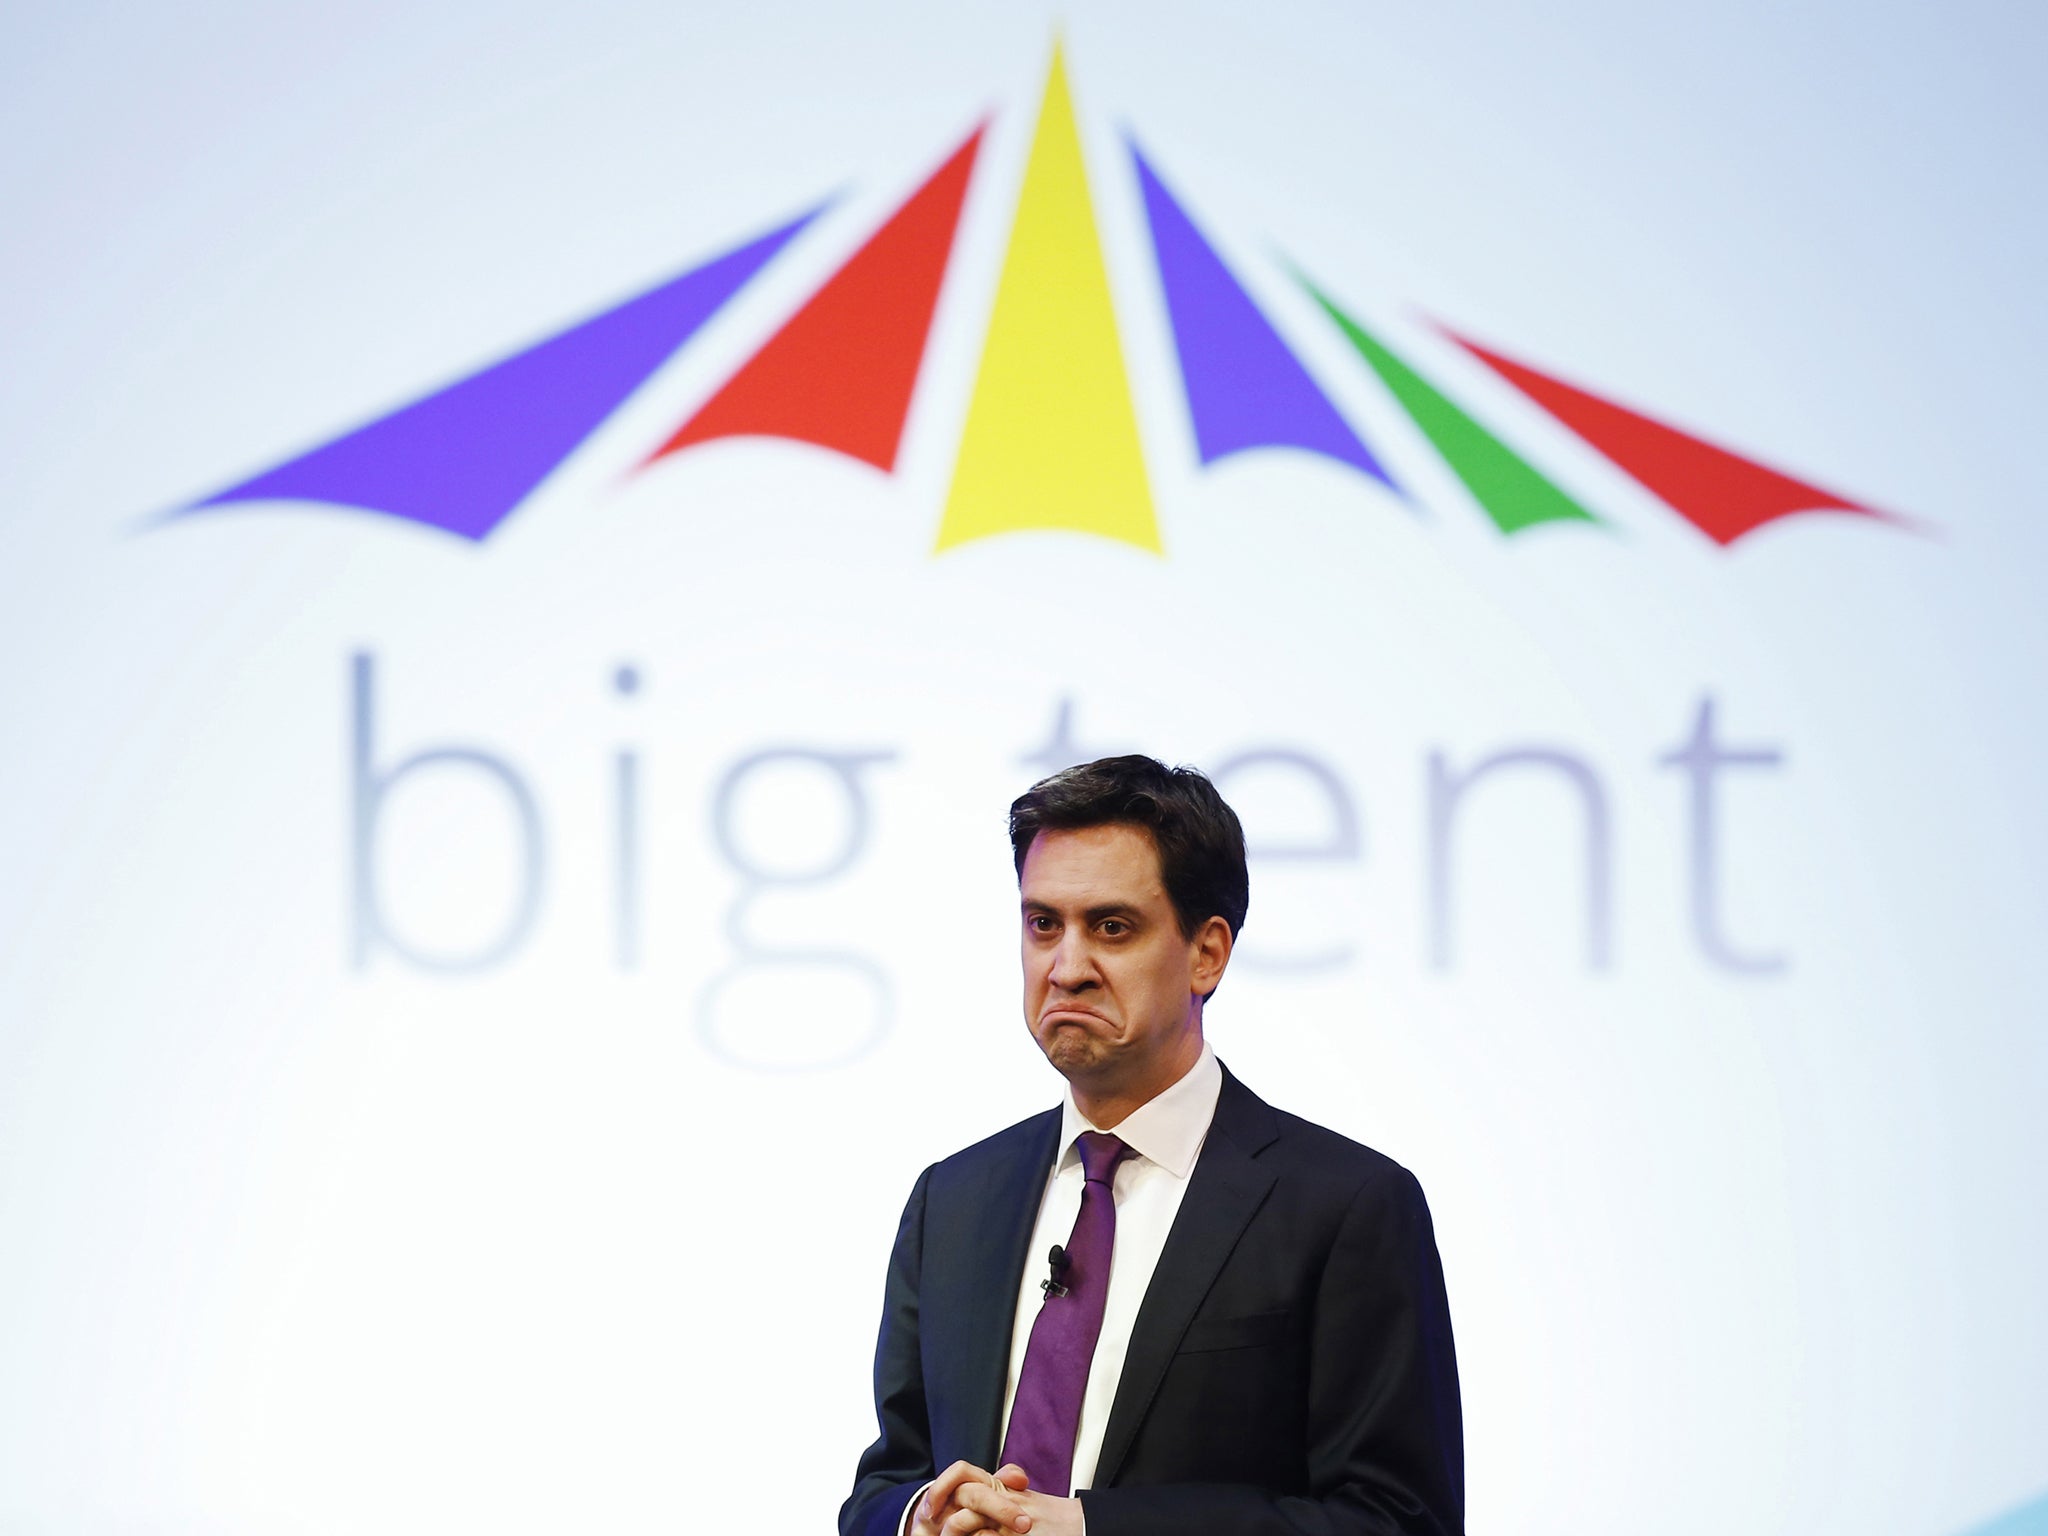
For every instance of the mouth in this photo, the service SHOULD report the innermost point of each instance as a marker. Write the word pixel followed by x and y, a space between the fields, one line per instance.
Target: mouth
pixel 1080 1017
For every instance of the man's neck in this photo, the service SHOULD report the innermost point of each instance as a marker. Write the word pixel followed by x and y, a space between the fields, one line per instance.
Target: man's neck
pixel 1105 1106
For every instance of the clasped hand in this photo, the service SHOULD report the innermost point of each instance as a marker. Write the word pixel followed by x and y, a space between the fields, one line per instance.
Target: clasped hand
pixel 964 1499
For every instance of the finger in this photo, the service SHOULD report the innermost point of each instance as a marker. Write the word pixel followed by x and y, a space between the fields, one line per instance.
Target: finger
pixel 996 1503
pixel 948 1482
pixel 1013 1477
pixel 926 1521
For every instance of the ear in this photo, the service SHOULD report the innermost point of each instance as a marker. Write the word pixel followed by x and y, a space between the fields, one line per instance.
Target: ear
pixel 1208 954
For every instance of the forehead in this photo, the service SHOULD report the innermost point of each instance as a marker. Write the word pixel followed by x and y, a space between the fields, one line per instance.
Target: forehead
pixel 1082 866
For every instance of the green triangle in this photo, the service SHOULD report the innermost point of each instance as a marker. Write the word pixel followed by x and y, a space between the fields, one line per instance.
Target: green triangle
pixel 1510 490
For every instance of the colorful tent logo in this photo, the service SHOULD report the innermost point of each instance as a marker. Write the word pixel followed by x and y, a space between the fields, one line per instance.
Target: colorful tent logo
pixel 1051 438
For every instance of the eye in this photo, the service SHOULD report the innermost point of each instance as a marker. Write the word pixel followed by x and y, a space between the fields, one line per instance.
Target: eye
pixel 1039 922
pixel 1114 927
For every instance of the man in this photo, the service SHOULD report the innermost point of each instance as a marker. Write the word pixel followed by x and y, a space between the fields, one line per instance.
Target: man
pixel 1242 1327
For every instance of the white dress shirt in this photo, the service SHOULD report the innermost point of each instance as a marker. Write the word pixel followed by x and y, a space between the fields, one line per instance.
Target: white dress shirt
pixel 1166 1133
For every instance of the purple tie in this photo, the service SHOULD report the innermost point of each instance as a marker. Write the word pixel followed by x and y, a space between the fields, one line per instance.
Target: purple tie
pixel 1047 1412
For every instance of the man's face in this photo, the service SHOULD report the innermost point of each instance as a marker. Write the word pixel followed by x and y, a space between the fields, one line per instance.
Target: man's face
pixel 1110 982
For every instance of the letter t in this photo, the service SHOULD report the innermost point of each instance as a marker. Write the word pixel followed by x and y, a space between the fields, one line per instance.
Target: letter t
pixel 1702 758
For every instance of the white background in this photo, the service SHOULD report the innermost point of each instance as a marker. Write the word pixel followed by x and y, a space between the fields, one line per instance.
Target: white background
pixel 290 1244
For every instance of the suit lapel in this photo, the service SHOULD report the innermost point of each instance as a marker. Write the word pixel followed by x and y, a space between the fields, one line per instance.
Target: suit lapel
pixel 991 1228
pixel 1227 1187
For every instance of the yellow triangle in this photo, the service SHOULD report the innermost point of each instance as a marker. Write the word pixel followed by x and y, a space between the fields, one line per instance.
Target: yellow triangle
pixel 1051 438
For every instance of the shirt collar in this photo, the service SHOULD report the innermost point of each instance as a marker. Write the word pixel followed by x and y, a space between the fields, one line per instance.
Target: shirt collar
pixel 1168 1128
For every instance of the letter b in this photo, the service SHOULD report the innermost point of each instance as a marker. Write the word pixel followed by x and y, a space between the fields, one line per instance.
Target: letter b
pixel 370 786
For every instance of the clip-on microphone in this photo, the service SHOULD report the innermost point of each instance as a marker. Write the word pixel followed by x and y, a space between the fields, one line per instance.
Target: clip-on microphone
pixel 1058 1261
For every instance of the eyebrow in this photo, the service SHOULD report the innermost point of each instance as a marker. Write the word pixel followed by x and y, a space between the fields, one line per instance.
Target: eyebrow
pixel 1114 909
pixel 1094 914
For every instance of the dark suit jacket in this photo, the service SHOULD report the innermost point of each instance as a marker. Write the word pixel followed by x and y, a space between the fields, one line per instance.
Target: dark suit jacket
pixel 1291 1369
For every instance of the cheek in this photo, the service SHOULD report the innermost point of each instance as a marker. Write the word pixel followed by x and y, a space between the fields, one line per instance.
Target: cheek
pixel 1165 982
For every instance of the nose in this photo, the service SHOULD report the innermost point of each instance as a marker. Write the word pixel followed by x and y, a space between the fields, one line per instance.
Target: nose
pixel 1073 962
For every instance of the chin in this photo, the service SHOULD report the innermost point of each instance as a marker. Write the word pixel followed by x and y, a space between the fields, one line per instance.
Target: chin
pixel 1072 1055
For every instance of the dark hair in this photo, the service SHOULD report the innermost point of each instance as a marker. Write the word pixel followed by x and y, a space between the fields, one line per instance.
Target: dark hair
pixel 1200 843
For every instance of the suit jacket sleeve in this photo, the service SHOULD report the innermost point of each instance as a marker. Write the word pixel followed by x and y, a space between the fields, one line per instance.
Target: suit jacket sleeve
pixel 900 1461
pixel 1384 1448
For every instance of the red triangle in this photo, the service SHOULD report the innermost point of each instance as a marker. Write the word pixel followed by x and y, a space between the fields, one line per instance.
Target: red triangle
pixel 1720 493
pixel 839 373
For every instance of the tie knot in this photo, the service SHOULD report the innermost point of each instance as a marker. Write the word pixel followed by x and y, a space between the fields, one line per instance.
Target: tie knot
pixel 1100 1153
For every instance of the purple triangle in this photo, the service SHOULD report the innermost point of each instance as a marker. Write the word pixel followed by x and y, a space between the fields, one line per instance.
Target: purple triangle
pixel 1245 388
pixel 462 458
